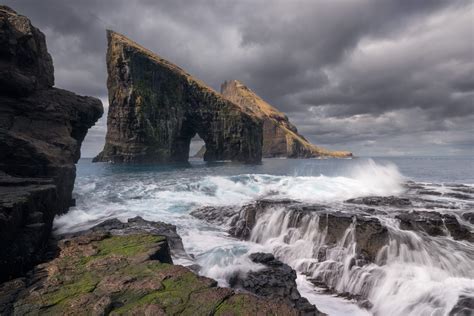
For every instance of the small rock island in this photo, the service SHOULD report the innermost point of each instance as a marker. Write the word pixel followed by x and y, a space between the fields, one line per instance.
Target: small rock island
pixel 156 108
pixel 280 136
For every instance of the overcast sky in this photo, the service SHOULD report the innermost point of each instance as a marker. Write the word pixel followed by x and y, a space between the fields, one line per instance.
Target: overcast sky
pixel 374 77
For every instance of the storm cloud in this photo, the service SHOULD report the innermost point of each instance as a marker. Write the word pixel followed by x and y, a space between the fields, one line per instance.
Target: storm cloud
pixel 374 77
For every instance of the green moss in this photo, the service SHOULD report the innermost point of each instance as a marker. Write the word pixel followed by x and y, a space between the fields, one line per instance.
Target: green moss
pixel 173 298
pixel 131 286
pixel 237 306
pixel 83 284
pixel 82 281
pixel 187 281
pixel 143 271
pixel 133 302
pixel 128 245
pixel 205 301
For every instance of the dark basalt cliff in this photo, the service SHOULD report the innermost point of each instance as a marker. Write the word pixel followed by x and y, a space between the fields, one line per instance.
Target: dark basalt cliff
pixel 280 137
pixel 156 108
pixel 41 130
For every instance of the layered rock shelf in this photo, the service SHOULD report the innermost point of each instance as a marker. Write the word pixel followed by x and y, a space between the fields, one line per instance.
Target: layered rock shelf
pixel 370 234
pixel 345 247
pixel 126 269
pixel 41 131
pixel 156 108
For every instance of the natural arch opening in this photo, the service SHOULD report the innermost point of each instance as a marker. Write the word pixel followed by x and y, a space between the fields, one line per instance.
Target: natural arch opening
pixel 190 141
pixel 197 147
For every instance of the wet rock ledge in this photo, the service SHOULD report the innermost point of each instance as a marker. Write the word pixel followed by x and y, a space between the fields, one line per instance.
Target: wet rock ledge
pixel 276 281
pixel 125 268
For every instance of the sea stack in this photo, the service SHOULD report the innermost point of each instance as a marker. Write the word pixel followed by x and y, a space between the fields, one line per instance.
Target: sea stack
pixel 280 137
pixel 41 131
pixel 156 108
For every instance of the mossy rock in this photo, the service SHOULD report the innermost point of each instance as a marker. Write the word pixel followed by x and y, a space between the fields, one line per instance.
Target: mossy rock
pixel 101 274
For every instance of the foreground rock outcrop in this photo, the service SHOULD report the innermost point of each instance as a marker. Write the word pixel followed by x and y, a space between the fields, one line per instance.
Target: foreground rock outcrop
pixel 156 108
pixel 280 137
pixel 41 131
pixel 124 269
pixel 276 281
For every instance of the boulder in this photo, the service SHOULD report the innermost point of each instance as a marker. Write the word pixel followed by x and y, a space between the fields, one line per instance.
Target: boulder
pixel 156 108
pixel 276 281
pixel 138 225
pixel 280 136
pixel 41 131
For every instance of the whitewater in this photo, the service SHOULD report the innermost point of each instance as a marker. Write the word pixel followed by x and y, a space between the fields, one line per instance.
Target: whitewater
pixel 414 274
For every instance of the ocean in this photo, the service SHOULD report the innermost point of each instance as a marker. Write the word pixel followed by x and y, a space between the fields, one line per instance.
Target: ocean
pixel 425 275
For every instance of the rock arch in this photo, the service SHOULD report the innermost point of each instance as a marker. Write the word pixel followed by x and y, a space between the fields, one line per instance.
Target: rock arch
pixel 156 108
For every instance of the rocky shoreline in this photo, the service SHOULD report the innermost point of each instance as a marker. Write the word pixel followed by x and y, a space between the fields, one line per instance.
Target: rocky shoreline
pixel 127 268
pixel 120 268
pixel 134 259
pixel 114 267
pixel 351 242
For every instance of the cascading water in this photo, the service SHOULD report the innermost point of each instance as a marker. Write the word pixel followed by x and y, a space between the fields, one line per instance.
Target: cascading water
pixel 356 251
pixel 414 274
pixel 422 275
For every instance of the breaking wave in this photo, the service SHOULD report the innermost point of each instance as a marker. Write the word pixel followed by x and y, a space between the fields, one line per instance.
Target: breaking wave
pixel 157 198
pixel 169 196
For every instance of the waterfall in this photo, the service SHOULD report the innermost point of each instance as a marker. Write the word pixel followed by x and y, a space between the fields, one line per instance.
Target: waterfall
pixel 413 274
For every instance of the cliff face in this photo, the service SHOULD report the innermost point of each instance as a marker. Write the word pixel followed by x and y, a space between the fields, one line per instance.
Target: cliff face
pixel 41 130
pixel 156 108
pixel 26 64
pixel 280 137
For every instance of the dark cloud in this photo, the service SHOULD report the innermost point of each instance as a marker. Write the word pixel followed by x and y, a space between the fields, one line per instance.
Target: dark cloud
pixel 371 76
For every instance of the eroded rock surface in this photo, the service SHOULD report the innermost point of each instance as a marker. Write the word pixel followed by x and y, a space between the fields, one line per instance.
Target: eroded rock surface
pixel 41 131
pixel 345 248
pixel 464 306
pixel 370 234
pixel 126 272
pixel 139 225
pixel 156 108
pixel 393 201
pixel 276 281
pixel 26 64
pixel 280 136
pixel 361 216
pixel 435 224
